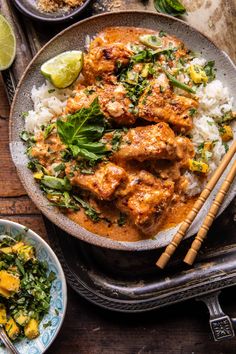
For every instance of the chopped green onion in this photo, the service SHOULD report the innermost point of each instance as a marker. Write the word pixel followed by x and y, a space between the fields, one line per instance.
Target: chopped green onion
pixel 178 84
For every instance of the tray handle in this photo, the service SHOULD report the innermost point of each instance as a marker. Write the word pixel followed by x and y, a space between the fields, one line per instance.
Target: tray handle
pixel 221 325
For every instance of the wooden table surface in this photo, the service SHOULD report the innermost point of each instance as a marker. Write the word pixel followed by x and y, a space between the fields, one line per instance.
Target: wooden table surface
pixel 182 328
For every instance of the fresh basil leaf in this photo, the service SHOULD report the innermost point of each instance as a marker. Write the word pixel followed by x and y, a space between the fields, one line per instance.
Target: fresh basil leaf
pixel 61 184
pixel 82 130
pixel 170 7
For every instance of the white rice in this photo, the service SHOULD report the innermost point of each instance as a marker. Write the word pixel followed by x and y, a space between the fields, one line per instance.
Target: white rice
pixel 48 103
pixel 214 102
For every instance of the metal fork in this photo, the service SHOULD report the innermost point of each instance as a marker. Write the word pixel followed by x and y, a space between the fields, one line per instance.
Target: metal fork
pixel 6 341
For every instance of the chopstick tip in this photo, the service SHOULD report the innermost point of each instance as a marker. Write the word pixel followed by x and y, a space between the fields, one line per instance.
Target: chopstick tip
pixel 163 260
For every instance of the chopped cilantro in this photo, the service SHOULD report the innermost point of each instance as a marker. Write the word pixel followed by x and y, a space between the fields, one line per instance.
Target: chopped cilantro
pixel 210 70
pixel 192 111
pixel 116 140
pixel 24 114
pixel 47 324
pixel 162 34
pixel 88 209
pixel 122 219
pixel 226 146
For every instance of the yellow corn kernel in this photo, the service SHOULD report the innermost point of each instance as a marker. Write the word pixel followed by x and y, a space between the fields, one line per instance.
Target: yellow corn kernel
pixel 197 74
pixel 38 175
pixel 3 315
pixel 198 166
pixel 226 133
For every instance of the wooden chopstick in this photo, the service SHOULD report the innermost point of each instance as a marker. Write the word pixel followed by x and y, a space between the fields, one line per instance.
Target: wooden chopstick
pixel 170 249
pixel 201 235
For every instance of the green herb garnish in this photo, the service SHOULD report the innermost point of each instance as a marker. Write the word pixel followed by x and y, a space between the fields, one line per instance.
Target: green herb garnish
pixel 116 140
pixel 170 7
pixel 162 34
pixel 61 184
pixel 210 70
pixel 122 219
pixel 192 111
pixel 226 146
pixel 88 209
pixel 178 84
pixel 82 131
pixel 48 130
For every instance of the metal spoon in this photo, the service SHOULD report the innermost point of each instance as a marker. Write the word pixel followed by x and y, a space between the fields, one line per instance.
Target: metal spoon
pixel 6 341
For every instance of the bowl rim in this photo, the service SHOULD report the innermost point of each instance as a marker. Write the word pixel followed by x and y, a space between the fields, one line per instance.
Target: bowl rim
pixel 60 19
pixel 55 260
pixel 90 237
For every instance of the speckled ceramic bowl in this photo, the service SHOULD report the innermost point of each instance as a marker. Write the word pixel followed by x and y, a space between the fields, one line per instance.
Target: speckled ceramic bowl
pixel 74 38
pixel 30 9
pixel 58 291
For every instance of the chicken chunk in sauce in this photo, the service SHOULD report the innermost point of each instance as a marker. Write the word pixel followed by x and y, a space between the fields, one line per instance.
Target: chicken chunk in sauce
pixel 150 142
pixel 144 198
pixel 159 103
pixel 102 184
pixel 113 101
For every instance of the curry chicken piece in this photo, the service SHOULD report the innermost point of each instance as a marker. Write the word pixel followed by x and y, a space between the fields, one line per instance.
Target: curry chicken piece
pixel 167 169
pixel 144 198
pixel 47 151
pixel 101 61
pixel 156 141
pixel 160 103
pixel 103 183
pixel 112 99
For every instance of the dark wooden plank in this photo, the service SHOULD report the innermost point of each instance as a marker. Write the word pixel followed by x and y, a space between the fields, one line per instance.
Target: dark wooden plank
pixel 4 106
pixel 9 181
pixel 17 206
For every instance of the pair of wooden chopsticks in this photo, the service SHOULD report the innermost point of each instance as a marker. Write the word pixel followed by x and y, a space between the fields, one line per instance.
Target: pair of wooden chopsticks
pixel 192 253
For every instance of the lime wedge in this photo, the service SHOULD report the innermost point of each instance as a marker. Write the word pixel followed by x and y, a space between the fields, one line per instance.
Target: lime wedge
pixel 63 69
pixel 7 44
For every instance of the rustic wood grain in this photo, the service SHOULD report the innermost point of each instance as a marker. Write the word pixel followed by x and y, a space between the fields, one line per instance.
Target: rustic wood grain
pixel 4 106
pixel 10 185
pixel 180 329
pixel 17 206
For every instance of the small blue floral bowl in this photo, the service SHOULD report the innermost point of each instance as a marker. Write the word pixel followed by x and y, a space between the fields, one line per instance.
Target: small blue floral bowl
pixel 54 319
